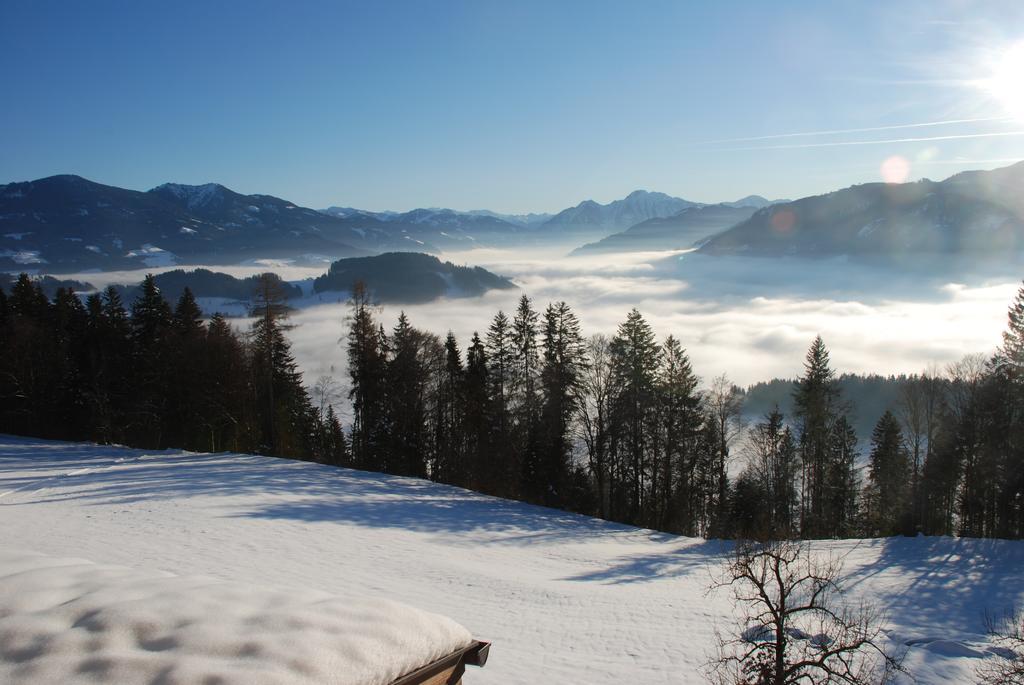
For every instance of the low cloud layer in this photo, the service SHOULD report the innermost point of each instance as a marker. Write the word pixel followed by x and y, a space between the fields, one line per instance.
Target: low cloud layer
pixel 751 319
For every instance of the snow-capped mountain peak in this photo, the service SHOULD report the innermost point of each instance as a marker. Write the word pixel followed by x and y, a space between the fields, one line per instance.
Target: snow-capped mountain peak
pixel 194 197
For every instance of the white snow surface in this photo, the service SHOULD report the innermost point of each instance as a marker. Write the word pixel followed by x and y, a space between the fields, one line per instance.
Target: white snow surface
pixel 73 621
pixel 564 598
pixel 152 255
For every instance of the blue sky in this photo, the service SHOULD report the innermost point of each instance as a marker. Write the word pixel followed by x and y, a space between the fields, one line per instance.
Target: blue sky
pixel 524 106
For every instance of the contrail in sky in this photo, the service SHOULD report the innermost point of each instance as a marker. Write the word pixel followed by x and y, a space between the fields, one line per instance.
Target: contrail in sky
pixel 890 141
pixel 835 132
pixel 1000 160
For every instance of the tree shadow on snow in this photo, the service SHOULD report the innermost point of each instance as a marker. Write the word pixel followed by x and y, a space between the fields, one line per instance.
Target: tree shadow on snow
pixel 259 487
pixel 700 556
pixel 941 583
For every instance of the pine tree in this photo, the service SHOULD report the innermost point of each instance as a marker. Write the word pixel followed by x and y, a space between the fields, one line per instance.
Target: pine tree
pixel 477 421
pixel 1011 354
pixel 681 483
pixel 406 377
pixel 334 449
pixel 526 359
pixel 151 315
pixel 187 340
pixel 525 395
pixel 815 397
pixel 367 366
pixel 226 400
pixel 546 479
pixel 150 325
pixel 503 468
pixel 772 475
pixel 28 300
pixel 108 351
pixel 635 359
pixel 286 416
pixel 27 378
pixel 1008 429
pixel 6 390
pixel 887 498
pixel 68 410
pixel 841 484
pixel 449 427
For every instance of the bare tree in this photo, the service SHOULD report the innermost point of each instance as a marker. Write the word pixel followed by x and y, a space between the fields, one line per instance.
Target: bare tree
pixel 919 411
pixel 966 375
pixel 724 402
pixel 1007 632
pixel 326 393
pixel 796 626
pixel 595 415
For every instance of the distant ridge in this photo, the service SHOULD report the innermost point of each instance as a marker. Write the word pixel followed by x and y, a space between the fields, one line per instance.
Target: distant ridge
pixel 974 212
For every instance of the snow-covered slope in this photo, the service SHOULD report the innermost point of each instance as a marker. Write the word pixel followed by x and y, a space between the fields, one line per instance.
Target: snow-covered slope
pixel 564 598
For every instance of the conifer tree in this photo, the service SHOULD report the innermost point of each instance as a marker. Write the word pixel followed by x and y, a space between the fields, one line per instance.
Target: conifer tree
pixel 449 426
pixel 477 426
pixel 635 358
pixel 842 484
pixel 286 416
pixel 525 381
pixel 771 476
pixel 68 410
pixel 1011 354
pixel 889 471
pixel 503 467
pixel 367 366
pixel 816 398
pixel 5 359
pixel 546 479
pixel 187 341
pixel 109 354
pixel 406 377
pixel 150 324
pixel 28 300
pixel 334 449
pixel 681 484
pixel 226 402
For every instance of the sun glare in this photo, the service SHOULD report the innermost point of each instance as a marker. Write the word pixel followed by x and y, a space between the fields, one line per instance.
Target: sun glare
pixel 1006 82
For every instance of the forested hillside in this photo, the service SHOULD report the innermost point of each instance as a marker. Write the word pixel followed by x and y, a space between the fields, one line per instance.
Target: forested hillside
pixel 616 427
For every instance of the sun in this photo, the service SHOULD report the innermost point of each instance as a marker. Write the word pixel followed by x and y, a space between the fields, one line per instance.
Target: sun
pixel 1006 81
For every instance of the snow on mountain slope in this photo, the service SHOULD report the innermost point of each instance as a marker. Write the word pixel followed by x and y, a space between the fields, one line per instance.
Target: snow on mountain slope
pixel 565 598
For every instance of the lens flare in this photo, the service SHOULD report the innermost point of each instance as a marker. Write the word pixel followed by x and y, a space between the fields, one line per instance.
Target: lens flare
pixel 1006 82
pixel 783 221
pixel 895 169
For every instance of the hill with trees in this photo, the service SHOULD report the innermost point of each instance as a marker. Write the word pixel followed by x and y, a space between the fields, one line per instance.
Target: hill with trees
pixel 408 277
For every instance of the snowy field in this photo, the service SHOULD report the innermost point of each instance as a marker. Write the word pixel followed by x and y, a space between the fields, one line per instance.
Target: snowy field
pixel 563 598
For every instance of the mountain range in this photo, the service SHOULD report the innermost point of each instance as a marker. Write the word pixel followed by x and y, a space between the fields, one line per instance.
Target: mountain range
pixel 67 223
pixel 676 232
pixel 64 224
pixel 973 213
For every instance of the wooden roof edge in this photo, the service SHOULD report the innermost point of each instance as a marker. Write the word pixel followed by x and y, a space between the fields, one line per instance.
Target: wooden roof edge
pixel 474 655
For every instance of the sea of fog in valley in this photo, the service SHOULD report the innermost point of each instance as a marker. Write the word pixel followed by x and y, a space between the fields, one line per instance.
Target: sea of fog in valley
pixel 751 318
